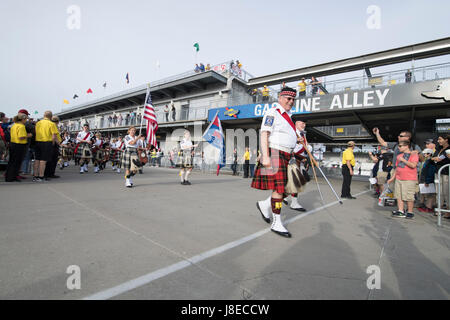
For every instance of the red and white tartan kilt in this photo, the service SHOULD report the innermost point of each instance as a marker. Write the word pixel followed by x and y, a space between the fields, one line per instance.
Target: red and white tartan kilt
pixel 274 178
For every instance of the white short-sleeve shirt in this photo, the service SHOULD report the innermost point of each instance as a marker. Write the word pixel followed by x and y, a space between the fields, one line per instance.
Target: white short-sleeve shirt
pixel 186 144
pixel 83 134
pixel 128 139
pixel 281 132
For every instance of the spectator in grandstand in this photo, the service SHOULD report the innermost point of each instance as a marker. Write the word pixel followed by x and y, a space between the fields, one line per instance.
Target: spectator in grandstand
pixel 405 177
pixel 283 84
pixel 110 120
pixel 426 178
pixel 139 118
pixel 265 94
pixel 348 163
pixel 254 93
pixel 440 159
pixel 133 117
pixel 166 112
pixel 239 65
pixel 302 88
pixel 408 76
pixel 46 137
pixel 17 147
pixel 202 67
pixel 174 112
pixel 119 120
pixel 208 67
pixel 314 85
pixel 127 119
pixel 197 68
pixel 114 120
pixel 382 168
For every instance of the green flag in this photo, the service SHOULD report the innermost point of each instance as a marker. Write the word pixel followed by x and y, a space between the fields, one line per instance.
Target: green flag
pixel 197 47
pixel 36 112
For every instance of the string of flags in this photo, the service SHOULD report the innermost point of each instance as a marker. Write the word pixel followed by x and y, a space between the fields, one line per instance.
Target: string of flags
pixel 75 96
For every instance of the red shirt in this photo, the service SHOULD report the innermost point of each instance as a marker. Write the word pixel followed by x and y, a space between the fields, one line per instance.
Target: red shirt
pixel 2 134
pixel 406 173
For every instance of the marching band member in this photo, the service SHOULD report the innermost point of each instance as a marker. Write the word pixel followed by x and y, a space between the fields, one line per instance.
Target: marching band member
pixel 98 152
pixel 118 152
pixel 83 149
pixel 112 151
pixel 66 150
pixel 300 158
pixel 278 140
pixel 130 155
pixel 186 157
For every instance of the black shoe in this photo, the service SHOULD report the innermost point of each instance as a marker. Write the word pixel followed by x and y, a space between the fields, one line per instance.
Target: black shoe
pixel 283 234
pixel 409 215
pixel 398 214
pixel 187 183
pixel 299 209
pixel 264 218
pixel 285 202
pixel 183 183
pixel 349 197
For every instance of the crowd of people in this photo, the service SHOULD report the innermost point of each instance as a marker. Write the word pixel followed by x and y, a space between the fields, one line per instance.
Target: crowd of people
pixel 407 171
pixel 24 141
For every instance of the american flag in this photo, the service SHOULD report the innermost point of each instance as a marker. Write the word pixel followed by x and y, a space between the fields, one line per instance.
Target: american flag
pixel 150 116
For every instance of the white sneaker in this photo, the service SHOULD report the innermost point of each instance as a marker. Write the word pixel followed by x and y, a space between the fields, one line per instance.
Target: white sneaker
pixel 114 168
pixel 85 167
pixel 118 170
pixel 296 206
pixel 96 170
pixel 128 183
pixel 265 208
pixel 82 170
pixel 278 227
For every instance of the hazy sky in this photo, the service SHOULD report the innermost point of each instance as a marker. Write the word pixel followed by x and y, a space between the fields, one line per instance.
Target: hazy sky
pixel 42 61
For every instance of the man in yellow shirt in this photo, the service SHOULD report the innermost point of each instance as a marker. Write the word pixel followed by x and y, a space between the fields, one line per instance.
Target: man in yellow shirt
pixel 265 94
pixel 246 162
pixel 17 147
pixel 50 166
pixel 46 137
pixel 302 88
pixel 348 163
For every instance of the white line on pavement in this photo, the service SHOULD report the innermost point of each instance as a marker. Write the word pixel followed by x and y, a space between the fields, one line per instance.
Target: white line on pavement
pixel 146 279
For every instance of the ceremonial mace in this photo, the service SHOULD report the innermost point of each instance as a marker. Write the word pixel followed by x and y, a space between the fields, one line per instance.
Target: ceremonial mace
pixel 314 163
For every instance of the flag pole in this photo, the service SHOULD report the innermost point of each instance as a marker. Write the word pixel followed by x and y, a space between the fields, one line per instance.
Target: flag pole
pixel 145 101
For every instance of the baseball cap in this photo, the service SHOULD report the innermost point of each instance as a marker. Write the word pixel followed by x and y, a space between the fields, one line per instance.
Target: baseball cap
pixel 427 151
pixel 24 111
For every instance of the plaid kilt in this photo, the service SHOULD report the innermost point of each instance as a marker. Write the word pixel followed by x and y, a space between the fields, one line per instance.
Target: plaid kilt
pixel 186 159
pixel 98 156
pixel 272 179
pixel 64 151
pixel 84 151
pixel 127 157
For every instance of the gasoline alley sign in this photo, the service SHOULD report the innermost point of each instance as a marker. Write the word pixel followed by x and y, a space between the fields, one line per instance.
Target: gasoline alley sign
pixel 357 99
pixel 398 95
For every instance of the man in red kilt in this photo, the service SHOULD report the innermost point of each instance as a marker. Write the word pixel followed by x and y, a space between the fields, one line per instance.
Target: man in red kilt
pixel 278 140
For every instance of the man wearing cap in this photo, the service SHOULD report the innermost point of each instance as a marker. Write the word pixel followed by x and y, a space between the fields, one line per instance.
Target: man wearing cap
pixel 46 137
pixel 278 140
pixel 348 163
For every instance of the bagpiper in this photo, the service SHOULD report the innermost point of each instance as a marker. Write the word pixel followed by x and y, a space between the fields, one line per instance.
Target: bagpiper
pixel 278 140
pixel 83 148
pixel 186 157
pixel 130 160
pixel 301 157
pixel 118 148
pixel 67 146
pixel 98 152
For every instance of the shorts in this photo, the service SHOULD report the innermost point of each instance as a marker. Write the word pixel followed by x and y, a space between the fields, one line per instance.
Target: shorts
pixel 43 150
pixel 405 189
pixel 382 177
